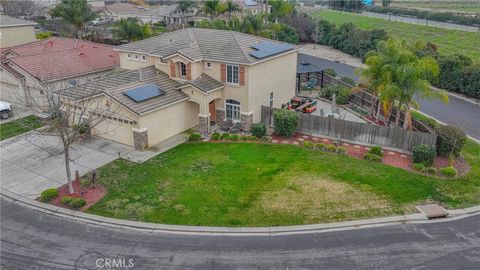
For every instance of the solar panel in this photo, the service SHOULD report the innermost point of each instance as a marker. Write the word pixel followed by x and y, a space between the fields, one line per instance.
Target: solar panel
pixel 267 48
pixel 144 92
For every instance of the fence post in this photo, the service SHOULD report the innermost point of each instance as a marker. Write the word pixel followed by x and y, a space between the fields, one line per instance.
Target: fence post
pixel 321 81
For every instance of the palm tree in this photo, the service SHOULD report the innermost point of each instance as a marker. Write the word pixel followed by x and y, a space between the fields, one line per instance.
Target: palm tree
pixel 75 14
pixel 184 7
pixel 213 8
pixel 131 30
pixel 399 76
pixel 280 8
pixel 231 7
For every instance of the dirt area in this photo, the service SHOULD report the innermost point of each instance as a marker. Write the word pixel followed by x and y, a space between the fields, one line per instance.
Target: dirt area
pixel 331 54
pixel 316 197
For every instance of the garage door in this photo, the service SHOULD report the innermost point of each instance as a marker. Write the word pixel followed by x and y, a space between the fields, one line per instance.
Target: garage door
pixel 11 93
pixel 114 131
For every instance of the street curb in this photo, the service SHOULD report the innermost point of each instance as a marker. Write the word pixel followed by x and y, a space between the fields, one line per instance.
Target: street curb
pixel 113 223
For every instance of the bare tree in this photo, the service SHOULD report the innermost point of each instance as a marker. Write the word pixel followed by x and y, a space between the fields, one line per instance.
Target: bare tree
pixel 23 8
pixel 73 113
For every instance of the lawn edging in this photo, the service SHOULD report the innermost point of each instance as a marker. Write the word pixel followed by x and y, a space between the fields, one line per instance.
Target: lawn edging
pixel 78 216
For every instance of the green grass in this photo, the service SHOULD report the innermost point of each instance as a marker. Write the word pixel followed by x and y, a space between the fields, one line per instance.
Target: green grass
pixel 18 127
pixel 252 184
pixel 449 5
pixel 447 41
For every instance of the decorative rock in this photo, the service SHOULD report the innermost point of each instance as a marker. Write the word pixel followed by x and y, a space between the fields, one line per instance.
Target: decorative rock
pixel 300 139
pixel 403 156
pixel 357 146
pixel 296 143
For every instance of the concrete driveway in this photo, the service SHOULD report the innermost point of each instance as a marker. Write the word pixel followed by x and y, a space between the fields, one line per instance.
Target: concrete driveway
pixel 30 164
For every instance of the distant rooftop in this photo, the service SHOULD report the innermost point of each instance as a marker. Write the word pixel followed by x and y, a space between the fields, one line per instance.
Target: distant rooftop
pixel 7 21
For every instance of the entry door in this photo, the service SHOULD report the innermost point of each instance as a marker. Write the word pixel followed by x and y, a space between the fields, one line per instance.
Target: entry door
pixel 212 111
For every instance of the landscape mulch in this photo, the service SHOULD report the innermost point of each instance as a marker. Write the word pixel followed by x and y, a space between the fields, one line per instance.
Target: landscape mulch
pixel 91 194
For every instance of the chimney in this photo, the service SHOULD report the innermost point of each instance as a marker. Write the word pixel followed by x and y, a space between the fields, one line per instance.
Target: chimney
pixel 140 74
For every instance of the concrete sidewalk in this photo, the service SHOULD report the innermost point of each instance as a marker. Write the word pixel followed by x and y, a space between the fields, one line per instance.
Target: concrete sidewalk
pixel 32 163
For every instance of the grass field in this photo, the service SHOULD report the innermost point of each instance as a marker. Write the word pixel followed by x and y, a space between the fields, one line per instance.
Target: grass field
pixel 231 184
pixel 447 41
pixel 445 5
pixel 18 127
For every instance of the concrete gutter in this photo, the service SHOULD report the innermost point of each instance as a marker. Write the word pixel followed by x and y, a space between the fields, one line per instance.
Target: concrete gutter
pixel 113 223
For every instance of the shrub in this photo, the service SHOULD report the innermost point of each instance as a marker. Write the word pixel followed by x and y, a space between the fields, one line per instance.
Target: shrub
pixel 419 167
pixel 372 157
pixel 330 71
pixel 342 150
pixel 331 148
pixel 343 96
pixel 285 122
pixel 424 154
pixel 320 146
pixel 252 138
pixel 450 140
pixel 431 170
pixel 376 150
pixel 66 200
pixel 308 145
pixel 448 171
pixel 85 182
pixel 195 137
pixel 266 139
pixel 215 136
pixel 259 130
pixel 48 194
pixel 76 203
pixel 348 80
pixel 244 137
pixel 234 137
pixel 225 136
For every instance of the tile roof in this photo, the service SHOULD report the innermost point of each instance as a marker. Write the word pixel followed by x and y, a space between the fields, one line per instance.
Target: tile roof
pixel 6 21
pixel 205 83
pixel 114 86
pixel 57 58
pixel 200 44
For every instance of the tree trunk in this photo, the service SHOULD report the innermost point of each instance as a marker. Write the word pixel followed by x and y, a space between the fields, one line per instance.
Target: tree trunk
pixel 379 106
pixel 372 106
pixel 397 117
pixel 407 121
pixel 67 168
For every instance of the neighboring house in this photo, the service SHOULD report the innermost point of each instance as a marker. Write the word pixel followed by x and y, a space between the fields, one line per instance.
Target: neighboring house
pixel 252 6
pixel 14 31
pixel 166 14
pixel 28 70
pixel 192 77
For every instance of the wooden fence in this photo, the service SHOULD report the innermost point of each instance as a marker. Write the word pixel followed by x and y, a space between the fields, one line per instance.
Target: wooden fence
pixel 356 132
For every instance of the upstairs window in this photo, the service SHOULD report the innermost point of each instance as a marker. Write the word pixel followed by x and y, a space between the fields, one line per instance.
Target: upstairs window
pixel 232 74
pixel 136 57
pixel 129 56
pixel 144 58
pixel 183 69
pixel 208 65
pixel 232 109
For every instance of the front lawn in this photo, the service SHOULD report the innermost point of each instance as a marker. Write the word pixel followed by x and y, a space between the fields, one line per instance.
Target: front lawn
pixel 18 127
pixel 231 184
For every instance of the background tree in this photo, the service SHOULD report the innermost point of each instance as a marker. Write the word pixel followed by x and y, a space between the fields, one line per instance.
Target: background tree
pixel 346 5
pixel 24 8
pixel 184 7
pixel 279 9
pixel 213 8
pixel 75 14
pixel 231 7
pixel 131 30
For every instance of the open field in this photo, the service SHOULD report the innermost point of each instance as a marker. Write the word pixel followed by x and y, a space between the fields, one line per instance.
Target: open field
pixel 232 184
pixel 447 41
pixel 440 5
pixel 19 126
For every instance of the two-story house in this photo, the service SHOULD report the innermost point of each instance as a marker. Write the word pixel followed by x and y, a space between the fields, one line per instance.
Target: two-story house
pixel 192 77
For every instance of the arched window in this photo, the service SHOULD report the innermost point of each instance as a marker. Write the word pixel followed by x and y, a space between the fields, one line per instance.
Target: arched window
pixel 183 69
pixel 232 109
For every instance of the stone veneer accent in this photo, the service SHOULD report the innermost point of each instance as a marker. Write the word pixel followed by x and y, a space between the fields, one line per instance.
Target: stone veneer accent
pixel 202 124
pixel 247 121
pixel 140 139
pixel 220 115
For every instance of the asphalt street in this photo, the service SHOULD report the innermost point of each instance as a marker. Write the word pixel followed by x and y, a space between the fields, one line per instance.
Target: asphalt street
pixel 35 240
pixel 457 112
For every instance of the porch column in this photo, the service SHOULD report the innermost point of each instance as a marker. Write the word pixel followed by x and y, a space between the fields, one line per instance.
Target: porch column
pixel 204 123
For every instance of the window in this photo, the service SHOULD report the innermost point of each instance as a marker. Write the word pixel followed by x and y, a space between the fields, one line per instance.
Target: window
pixel 208 65
pixel 183 69
pixel 144 58
pixel 136 57
pixel 271 100
pixel 163 61
pixel 232 109
pixel 232 74
pixel 129 56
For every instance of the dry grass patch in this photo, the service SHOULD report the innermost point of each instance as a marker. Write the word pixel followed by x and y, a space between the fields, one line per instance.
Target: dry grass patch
pixel 321 199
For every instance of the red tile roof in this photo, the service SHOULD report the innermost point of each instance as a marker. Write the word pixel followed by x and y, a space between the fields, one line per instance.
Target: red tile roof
pixel 56 58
